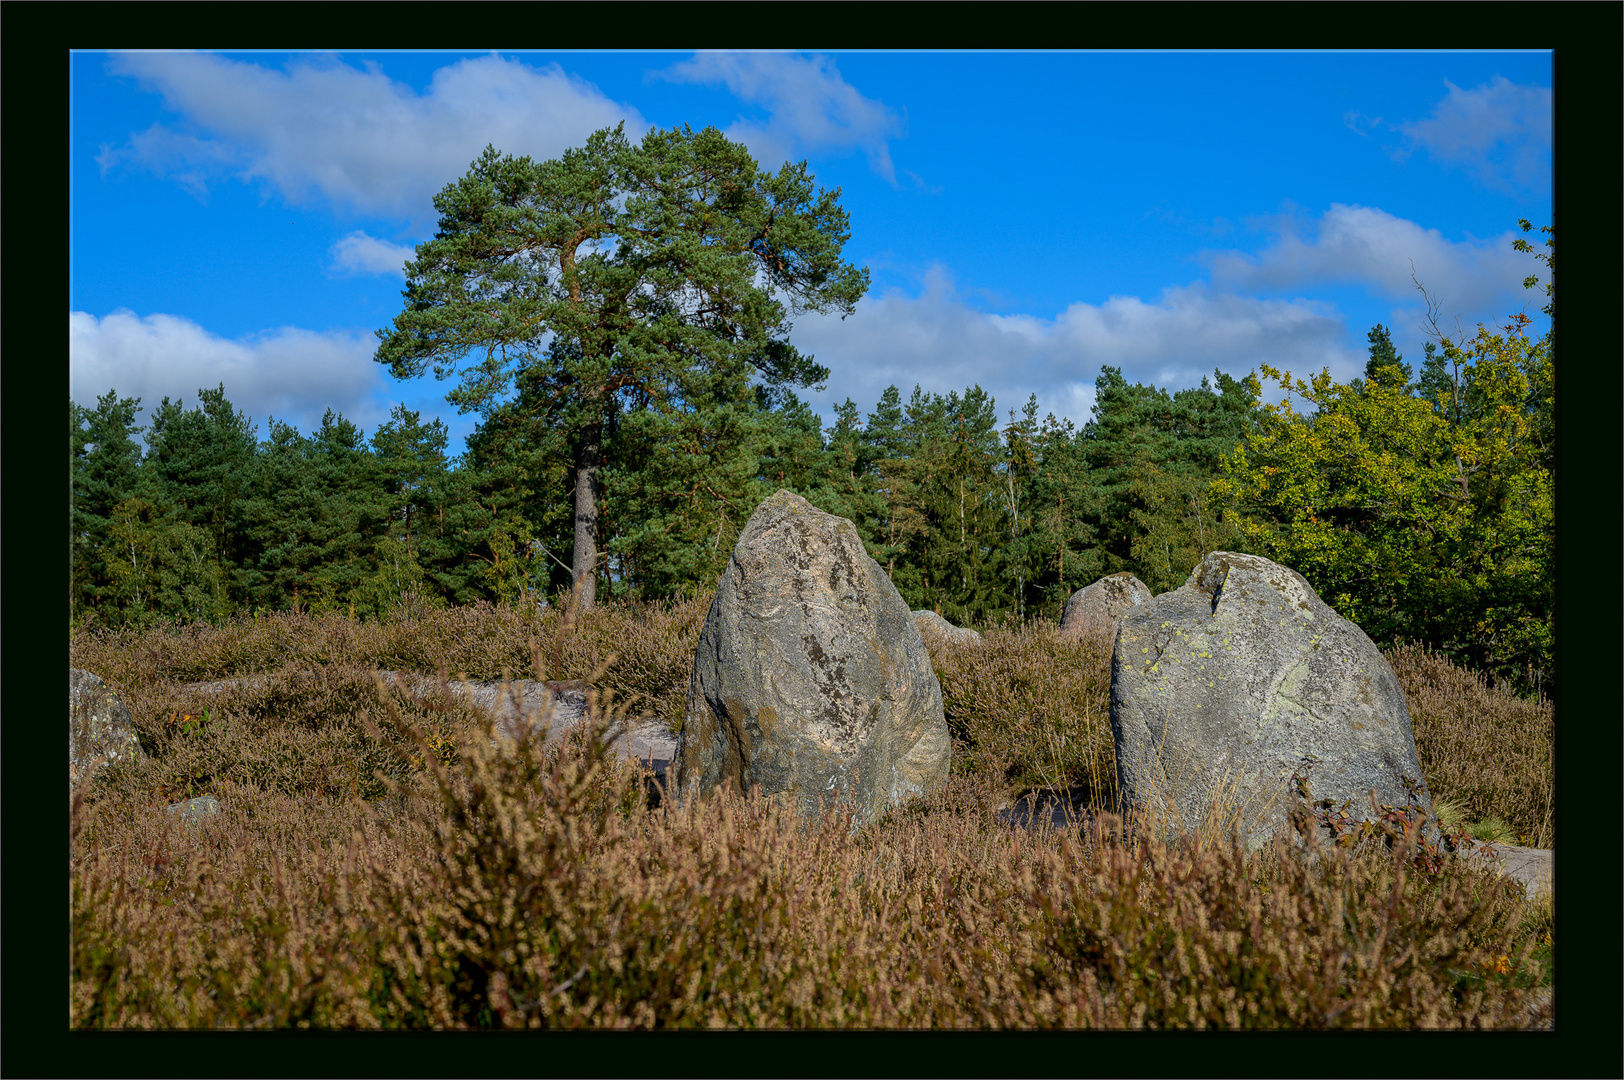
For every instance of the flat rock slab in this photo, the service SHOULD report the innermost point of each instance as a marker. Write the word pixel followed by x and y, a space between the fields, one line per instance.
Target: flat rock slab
pixel 645 740
pixel 1533 867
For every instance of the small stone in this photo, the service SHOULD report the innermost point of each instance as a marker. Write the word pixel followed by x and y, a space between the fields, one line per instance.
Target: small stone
pixel 933 625
pixel 194 811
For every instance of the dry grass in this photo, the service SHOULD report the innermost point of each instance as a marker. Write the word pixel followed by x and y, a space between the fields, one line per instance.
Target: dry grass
pixel 653 646
pixel 1033 707
pixel 380 861
pixel 1486 752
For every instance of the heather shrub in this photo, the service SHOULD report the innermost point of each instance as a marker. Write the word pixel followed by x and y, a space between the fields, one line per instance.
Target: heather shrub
pixel 653 645
pixel 531 886
pixel 1487 751
pixel 300 731
pixel 1197 936
pixel 380 860
pixel 1033 707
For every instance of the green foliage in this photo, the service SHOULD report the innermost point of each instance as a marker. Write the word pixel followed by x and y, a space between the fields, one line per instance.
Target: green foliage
pixel 1151 456
pixel 103 460
pixel 161 568
pixel 198 462
pixel 1421 514
pixel 1421 510
pixel 315 515
pixel 621 279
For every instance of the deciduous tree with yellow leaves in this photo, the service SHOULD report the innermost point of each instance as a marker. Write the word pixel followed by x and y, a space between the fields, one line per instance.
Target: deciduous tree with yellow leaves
pixel 1419 512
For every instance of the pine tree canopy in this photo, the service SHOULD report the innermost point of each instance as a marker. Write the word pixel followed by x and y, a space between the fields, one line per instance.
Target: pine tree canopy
pixel 662 275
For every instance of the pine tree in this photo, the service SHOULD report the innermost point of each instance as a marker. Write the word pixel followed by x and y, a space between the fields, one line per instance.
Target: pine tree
pixel 663 273
pixel 104 469
pixel 198 463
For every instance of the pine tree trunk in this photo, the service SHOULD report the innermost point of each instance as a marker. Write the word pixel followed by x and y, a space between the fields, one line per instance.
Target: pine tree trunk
pixel 585 561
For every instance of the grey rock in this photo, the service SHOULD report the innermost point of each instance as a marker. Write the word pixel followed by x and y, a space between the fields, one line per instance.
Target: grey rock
pixel 100 731
pixel 811 681
pixel 930 623
pixel 549 707
pixel 649 742
pixel 1223 689
pixel 1532 868
pixel 1102 603
pixel 194 811
pixel 545 707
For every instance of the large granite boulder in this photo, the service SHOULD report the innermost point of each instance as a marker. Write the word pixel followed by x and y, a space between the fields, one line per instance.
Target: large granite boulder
pixel 1224 689
pixel 811 681
pixel 1102 603
pixel 100 731
pixel 933 625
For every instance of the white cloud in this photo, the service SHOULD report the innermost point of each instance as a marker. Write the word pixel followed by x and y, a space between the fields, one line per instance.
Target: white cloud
pixel 1365 246
pixel 322 130
pixel 359 253
pixel 937 341
pixel 1500 131
pixel 809 106
pixel 292 374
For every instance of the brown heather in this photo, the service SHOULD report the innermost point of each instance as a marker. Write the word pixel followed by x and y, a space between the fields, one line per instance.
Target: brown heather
pixel 380 861
pixel 1487 751
pixel 1033 707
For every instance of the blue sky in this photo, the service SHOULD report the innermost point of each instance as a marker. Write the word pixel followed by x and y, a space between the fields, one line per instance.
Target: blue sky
pixel 241 218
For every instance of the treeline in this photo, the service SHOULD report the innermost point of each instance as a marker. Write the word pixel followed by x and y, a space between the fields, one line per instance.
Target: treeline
pixel 1417 504
pixel 976 515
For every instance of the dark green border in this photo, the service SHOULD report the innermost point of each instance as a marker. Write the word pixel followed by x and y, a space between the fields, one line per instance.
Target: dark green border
pixel 33 981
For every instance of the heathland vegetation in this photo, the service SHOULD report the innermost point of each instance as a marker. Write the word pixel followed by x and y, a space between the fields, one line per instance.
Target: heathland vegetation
pixel 377 861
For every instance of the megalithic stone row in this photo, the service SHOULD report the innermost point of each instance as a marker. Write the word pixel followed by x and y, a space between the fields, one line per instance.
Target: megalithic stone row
pixel 811 681
pixel 1225 689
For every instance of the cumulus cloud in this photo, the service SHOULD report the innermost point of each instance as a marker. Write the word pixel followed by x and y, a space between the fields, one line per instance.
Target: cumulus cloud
pixel 937 341
pixel 321 130
pixel 359 253
pixel 809 106
pixel 292 374
pixel 1500 132
pixel 1365 246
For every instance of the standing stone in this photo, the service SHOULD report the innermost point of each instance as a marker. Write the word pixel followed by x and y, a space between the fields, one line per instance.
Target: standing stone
pixel 811 681
pixel 1224 688
pixel 100 731
pixel 933 625
pixel 1101 603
